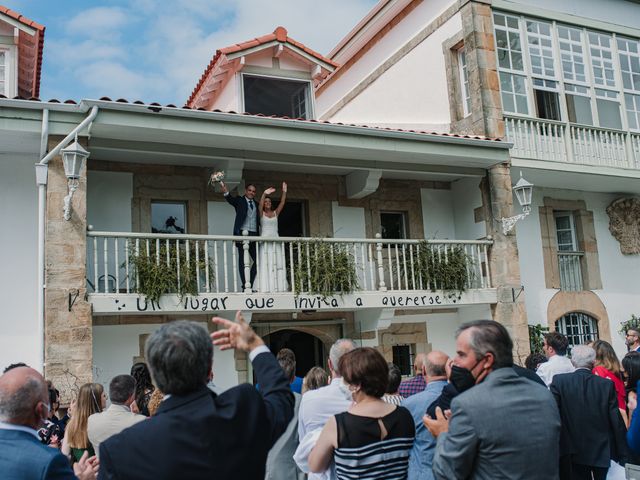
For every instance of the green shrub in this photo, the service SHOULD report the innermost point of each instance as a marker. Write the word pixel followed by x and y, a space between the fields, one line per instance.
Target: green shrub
pixel 324 269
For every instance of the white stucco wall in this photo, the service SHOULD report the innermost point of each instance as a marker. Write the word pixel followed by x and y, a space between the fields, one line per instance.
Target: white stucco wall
pixel 437 214
pixel 466 198
pixel 619 273
pixel 18 257
pixel 229 98
pixel 348 222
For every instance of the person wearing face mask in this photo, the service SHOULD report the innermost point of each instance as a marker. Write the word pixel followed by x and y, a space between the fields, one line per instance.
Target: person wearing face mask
pixel 24 407
pixel 490 432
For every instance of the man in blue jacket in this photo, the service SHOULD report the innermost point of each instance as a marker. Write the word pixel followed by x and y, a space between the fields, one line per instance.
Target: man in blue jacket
pixel 24 407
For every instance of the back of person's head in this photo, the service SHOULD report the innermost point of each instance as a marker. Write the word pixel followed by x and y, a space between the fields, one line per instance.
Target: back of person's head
pixel 557 341
pixel 140 373
pixel 418 363
pixel 287 360
pixel 606 356
pixel 366 368
pixel 179 355
pixel 583 356
pixel 395 377
pixel 338 349
pixel 315 378
pixel 631 366
pixel 435 364
pixel 154 401
pixel 489 336
pixel 121 389
pixel 534 360
pixel 23 397
pixel 14 365
pixel 88 402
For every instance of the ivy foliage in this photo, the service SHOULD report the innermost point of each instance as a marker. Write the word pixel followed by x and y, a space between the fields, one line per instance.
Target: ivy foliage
pixel 437 270
pixel 536 337
pixel 158 276
pixel 633 322
pixel 324 269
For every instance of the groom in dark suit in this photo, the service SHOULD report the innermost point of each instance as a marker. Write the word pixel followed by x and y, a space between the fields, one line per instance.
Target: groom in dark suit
pixel 247 218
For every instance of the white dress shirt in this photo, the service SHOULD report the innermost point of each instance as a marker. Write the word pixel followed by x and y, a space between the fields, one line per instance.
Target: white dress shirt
pixel 556 364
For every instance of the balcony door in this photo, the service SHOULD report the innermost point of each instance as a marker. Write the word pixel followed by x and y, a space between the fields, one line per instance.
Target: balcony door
pixel 569 257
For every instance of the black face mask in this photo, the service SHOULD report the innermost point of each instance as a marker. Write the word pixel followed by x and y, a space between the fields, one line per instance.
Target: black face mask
pixel 462 378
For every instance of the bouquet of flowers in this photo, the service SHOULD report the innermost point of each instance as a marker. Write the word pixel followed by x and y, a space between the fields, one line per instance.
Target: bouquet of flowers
pixel 216 177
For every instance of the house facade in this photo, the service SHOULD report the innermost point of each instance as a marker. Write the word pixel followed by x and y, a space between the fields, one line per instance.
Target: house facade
pixel 399 177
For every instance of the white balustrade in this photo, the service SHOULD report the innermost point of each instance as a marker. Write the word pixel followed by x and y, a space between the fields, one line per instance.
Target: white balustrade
pixel 569 265
pixel 209 263
pixel 549 140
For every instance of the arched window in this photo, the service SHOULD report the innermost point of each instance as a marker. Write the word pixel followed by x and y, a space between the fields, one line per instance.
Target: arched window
pixel 579 328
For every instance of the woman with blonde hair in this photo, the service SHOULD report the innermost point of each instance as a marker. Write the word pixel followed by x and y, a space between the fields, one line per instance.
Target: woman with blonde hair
pixel 315 378
pixel 608 366
pixel 91 399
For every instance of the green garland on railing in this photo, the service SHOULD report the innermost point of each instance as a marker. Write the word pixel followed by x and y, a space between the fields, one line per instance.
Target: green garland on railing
pixel 323 270
pixel 437 271
pixel 157 277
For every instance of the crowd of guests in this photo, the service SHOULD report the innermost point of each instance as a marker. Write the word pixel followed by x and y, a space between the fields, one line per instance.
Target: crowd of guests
pixel 567 415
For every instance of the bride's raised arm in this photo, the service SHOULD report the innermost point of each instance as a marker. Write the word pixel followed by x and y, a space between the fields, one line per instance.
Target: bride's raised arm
pixel 268 191
pixel 283 198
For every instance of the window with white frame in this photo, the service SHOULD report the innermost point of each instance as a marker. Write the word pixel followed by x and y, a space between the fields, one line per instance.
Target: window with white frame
pixel 3 72
pixel 565 231
pixel 464 82
pixel 629 55
pixel 276 96
pixel 564 72
pixel 578 327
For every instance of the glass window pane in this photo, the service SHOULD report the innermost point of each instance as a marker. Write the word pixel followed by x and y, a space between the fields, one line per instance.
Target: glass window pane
pixel 392 225
pixel 168 217
pixel 609 113
pixel 579 109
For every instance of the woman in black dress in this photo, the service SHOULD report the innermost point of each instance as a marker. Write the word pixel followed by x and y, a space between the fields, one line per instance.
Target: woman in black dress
pixel 373 438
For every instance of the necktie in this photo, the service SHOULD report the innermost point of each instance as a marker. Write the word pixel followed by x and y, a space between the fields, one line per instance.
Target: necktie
pixel 251 204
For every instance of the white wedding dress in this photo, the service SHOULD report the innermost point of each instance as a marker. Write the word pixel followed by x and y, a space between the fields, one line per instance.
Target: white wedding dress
pixel 272 275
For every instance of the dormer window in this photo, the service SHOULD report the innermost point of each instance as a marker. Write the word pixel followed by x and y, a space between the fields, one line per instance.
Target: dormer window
pixel 3 72
pixel 276 96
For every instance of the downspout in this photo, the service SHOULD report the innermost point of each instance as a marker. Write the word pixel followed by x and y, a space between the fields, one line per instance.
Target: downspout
pixel 41 180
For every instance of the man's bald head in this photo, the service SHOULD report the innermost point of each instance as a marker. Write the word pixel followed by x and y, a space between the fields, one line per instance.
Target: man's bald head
pixel 435 365
pixel 418 363
pixel 24 397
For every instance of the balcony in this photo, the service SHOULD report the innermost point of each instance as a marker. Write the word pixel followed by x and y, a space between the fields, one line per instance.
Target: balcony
pixel 553 141
pixel 133 273
pixel 569 266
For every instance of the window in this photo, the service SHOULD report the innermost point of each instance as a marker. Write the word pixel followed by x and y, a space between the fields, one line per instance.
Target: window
pixel 632 103
pixel 3 72
pixel 565 231
pixel 540 48
pixel 514 93
pixel 601 59
pixel 608 107
pixel 403 358
pixel 571 54
pixel 579 328
pixel 393 225
pixel 168 217
pixel 578 104
pixel 628 51
pixel 547 99
pixel 508 42
pixel 464 82
pixel 273 96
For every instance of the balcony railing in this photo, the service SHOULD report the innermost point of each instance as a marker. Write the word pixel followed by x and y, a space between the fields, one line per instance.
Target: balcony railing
pixel 569 265
pixel 210 262
pixel 562 142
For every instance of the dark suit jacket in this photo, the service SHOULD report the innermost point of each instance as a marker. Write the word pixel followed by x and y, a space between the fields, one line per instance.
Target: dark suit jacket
pixel 593 431
pixel 23 457
pixel 204 435
pixel 240 204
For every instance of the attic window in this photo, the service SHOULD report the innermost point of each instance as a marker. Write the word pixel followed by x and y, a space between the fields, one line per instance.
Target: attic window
pixel 273 96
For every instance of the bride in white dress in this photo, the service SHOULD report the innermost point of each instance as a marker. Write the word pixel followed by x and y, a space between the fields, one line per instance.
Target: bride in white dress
pixel 271 265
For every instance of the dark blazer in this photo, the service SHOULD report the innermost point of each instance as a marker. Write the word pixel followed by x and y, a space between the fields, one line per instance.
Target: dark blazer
pixel 593 431
pixel 204 435
pixel 240 204
pixel 23 457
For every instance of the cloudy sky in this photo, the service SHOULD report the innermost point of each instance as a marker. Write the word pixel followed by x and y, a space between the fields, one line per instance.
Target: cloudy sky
pixel 155 50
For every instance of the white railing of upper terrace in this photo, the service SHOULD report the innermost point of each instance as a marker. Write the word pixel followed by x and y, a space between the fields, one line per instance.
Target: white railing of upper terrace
pixel 380 265
pixel 564 142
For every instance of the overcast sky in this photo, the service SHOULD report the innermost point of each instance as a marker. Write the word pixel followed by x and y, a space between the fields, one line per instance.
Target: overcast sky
pixel 156 50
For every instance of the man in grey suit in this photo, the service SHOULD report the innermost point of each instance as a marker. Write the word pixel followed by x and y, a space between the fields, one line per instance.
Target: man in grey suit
pixel 501 426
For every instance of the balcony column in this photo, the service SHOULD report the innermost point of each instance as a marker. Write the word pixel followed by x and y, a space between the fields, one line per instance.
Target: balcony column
pixel 68 324
pixel 503 258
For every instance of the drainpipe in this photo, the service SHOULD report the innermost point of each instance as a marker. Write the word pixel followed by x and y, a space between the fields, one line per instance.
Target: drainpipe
pixel 41 180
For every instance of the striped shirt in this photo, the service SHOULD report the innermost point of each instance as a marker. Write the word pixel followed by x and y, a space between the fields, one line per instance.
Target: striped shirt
pixel 362 454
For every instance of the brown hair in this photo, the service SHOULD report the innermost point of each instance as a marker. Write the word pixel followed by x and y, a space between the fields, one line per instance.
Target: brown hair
pixel 287 360
pixel 89 401
pixel 366 368
pixel 606 357
pixel 154 402
pixel 315 378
